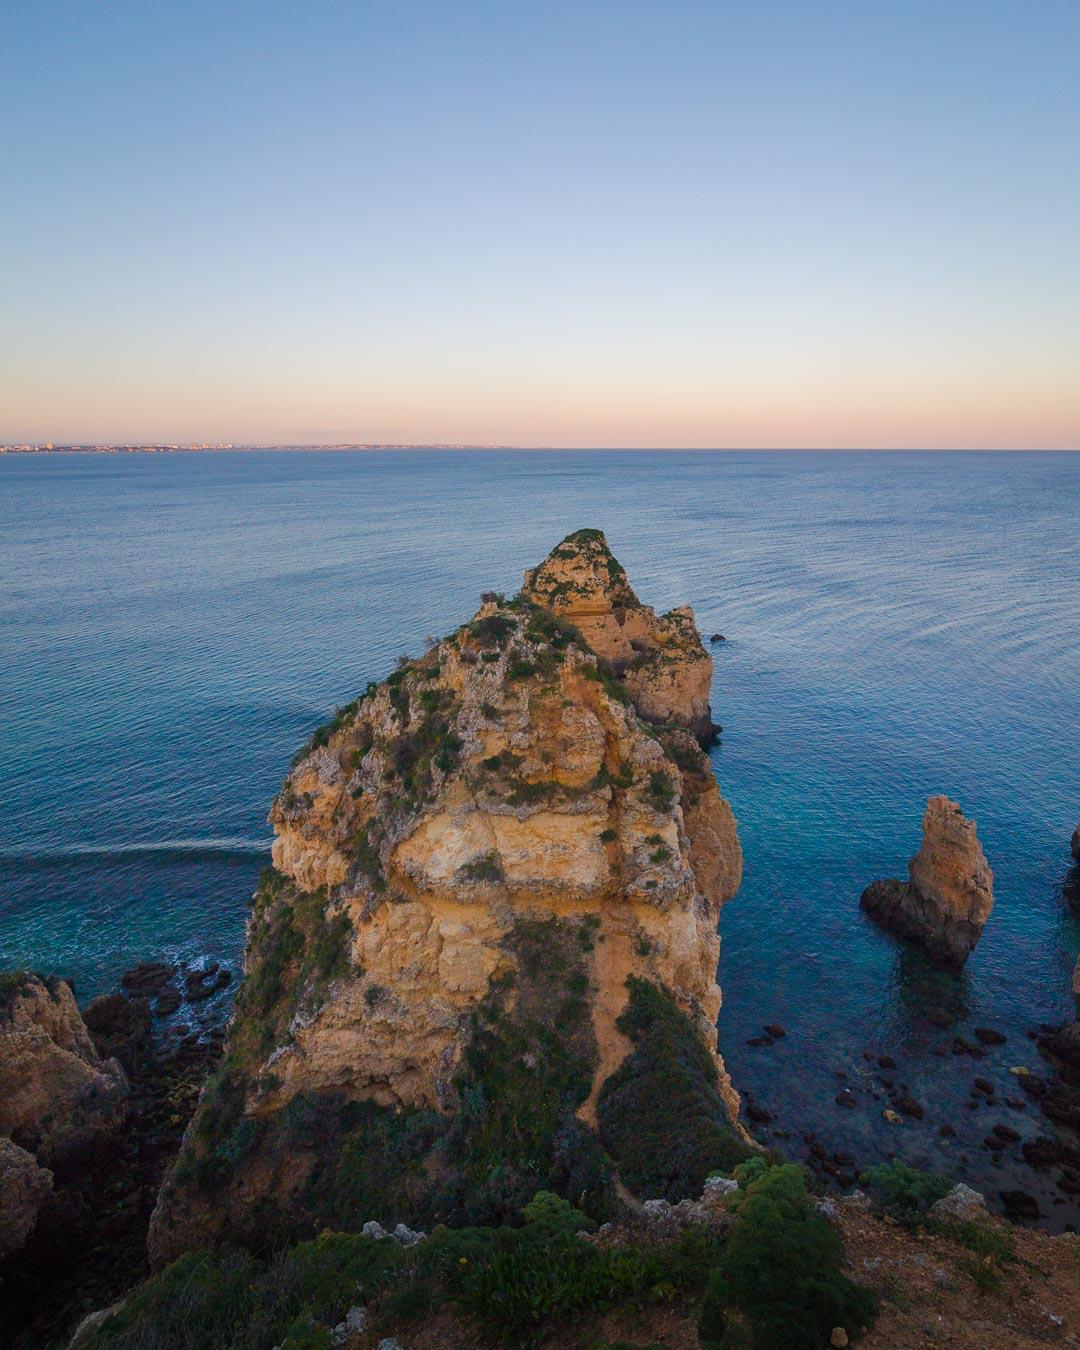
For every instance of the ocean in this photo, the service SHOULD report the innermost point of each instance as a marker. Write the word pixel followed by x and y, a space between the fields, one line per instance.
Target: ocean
pixel 897 625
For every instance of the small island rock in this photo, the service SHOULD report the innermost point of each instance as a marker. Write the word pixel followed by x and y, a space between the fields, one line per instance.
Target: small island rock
pixel 949 894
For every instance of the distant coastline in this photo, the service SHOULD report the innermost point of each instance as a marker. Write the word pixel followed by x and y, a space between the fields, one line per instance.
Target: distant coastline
pixel 160 448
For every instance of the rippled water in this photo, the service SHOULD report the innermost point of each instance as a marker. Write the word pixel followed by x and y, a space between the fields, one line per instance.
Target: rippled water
pixel 898 625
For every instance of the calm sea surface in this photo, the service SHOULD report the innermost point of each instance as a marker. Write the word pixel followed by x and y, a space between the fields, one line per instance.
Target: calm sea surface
pixel 171 627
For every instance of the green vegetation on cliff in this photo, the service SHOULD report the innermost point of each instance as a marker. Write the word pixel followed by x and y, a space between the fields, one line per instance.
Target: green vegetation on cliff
pixel 512 1128
pixel 661 1115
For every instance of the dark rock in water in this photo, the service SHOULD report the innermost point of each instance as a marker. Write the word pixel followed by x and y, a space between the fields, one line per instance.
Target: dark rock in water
pixel 939 1017
pixel 1020 1205
pixel 988 1036
pixel 910 1107
pixel 983 1085
pixel 960 1046
pixel 201 984
pixel 758 1114
pixel 168 1001
pixel 1032 1084
pixel 775 1030
pixel 886 1062
pixel 947 1131
pixel 843 1159
pixel 759 1040
pixel 148 978
pixel 1074 843
pixel 1007 1133
pixel 949 892
pixel 846 1098
pixel 1043 1151
pixel 1062 1105
pixel 120 1028
pixel 719 637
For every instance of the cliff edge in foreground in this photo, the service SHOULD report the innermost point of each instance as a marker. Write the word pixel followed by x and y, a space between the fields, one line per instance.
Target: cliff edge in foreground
pixel 484 960
pixel 948 897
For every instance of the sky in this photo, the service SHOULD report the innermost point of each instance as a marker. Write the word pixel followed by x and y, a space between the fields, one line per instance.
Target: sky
pixel 768 223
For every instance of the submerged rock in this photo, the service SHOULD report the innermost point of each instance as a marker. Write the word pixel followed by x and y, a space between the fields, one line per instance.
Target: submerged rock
pixel 484 962
pixel 948 897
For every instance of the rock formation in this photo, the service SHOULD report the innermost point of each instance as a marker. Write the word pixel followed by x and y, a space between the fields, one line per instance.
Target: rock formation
pixel 23 1187
pixel 484 961
pixel 60 1101
pixel 1075 843
pixel 58 1098
pixel 949 894
pixel 660 658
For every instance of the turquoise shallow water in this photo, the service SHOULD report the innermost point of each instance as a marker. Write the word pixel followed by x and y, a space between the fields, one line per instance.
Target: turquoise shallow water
pixel 172 626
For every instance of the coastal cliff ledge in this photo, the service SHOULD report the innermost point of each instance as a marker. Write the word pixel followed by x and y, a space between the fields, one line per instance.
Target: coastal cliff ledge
pixel 484 961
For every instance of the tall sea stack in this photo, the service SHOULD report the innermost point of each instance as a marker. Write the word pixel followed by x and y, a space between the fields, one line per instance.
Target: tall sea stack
pixel 949 894
pixel 484 961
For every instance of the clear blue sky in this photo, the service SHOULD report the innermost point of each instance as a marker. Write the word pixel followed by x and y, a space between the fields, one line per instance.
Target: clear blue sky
pixel 623 223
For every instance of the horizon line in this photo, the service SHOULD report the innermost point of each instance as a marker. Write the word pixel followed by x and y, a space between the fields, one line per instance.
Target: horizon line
pixel 225 447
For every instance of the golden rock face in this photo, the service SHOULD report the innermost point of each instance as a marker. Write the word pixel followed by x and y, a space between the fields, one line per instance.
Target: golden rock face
pixel 505 778
pixel 660 658
pixel 948 897
pixel 494 840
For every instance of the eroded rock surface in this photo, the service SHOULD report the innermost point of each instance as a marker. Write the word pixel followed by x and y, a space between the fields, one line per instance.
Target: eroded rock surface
pixel 949 894
pixel 23 1187
pixel 659 657
pixel 479 866
pixel 59 1098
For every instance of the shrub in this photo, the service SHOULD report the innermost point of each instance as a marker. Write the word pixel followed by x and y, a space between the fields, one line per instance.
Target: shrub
pixel 904 1191
pixel 660 792
pixel 492 630
pixel 486 868
pixel 661 1115
pixel 780 1271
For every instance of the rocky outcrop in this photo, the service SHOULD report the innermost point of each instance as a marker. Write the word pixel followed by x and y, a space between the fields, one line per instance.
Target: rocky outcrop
pixel 497 877
pixel 949 894
pixel 59 1099
pixel 23 1187
pixel 1074 843
pixel 660 658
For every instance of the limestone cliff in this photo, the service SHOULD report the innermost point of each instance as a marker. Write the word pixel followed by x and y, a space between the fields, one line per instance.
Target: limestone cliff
pixel 485 958
pixel 62 1104
pixel 949 894
pixel 58 1097
pixel 660 658
pixel 23 1188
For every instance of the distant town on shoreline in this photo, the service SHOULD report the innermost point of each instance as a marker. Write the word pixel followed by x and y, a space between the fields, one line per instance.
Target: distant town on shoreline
pixel 161 448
